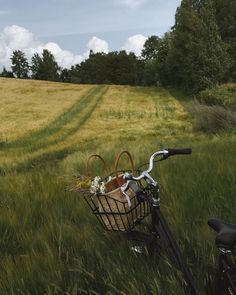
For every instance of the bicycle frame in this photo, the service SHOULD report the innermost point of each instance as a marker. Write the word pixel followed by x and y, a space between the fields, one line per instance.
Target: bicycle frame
pixel 161 230
pixel 160 236
pixel 226 269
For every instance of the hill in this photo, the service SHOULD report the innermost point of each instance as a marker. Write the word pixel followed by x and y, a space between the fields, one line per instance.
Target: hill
pixel 45 118
pixel 50 243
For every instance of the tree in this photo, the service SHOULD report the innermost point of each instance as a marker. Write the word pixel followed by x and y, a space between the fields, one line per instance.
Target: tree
pixel 20 66
pixel 112 68
pixel 93 69
pixel 226 20
pixel 45 67
pixel 6 74
pixel 151 48
pixel 150 73
pixel 149 55
pixel 37 67
pixel 50 65
pixel 162 59
pixel 123 68
pixel 65 76
pixel 74 74
pixel 197 58
pixel 155 53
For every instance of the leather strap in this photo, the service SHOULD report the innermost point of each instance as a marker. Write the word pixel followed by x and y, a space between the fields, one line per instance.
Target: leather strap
pixel 88 164
pixel 117 163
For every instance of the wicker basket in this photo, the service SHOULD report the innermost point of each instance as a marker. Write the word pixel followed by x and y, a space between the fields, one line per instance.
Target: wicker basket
pixel 115 209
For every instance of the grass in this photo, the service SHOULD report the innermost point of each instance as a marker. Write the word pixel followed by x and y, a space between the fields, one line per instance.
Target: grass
pixel 212 119
pixel 214 110
pixel 51 244
pixel 41 103
pixel 87 120
pixel 223 95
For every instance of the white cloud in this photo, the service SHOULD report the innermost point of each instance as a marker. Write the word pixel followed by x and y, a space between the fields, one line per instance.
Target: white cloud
pixel 135 44
pixel 130 3
pixel 64 58
pixel 97 45
pixel 19 38
pixel 2 52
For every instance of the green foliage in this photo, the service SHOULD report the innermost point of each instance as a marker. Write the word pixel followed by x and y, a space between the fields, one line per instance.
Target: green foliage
pixel 224 95
pixel 6 74
pixel 154 54
pixel 151 48
pixel 150 73
pixel 111 68
pixel 45 67
pixel 65 76
pixel 226 20
pixel 20 65
pixel 93 69
pixel 36 66
pixel 212 119
pixel 164 74
pixel 149 57
pixel 123 70
pixel 197 58
pixel 74 74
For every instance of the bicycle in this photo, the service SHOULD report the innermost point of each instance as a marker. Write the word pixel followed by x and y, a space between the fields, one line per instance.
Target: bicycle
pixel 158 237
pixel 225 242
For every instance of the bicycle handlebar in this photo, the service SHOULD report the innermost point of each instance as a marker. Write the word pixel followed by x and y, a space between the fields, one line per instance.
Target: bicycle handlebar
pixel 185 151
pixel 166 153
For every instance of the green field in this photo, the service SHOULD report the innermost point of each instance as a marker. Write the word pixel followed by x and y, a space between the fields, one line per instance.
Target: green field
pixel 49 241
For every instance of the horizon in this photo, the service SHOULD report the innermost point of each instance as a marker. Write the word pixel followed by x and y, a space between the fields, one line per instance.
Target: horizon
pixel 76 27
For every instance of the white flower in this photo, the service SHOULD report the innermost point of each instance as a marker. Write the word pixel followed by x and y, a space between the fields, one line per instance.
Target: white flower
pixel 102 188
pixel 97 186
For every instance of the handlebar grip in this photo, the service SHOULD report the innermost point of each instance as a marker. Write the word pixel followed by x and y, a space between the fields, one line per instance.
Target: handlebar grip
pixel 184 151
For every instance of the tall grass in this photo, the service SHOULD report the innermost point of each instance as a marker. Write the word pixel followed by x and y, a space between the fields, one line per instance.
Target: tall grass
pixel 223 95
pixel 40 102
pixel 50 243
pixel 48 230
pixel 212 119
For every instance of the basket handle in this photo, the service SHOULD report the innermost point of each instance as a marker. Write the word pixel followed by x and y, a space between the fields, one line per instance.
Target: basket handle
pixel 88 164
pixel 117 163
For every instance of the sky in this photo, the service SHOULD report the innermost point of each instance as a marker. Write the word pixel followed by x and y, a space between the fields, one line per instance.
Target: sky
pixel 70 28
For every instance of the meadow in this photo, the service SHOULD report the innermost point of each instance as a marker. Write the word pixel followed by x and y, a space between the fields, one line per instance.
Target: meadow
pixel 49 241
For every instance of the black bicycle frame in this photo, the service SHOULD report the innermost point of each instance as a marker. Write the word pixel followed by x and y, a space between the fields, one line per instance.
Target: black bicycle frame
pixel 160 229
pixel 226 270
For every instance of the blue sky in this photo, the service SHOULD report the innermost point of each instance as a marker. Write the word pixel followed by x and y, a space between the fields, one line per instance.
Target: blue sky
pixel 72 24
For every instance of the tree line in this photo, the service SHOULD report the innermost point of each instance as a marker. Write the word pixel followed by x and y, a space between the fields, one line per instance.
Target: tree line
pixel 197 53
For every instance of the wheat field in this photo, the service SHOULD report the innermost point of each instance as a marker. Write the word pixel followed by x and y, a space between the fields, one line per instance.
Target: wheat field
pixel 49 241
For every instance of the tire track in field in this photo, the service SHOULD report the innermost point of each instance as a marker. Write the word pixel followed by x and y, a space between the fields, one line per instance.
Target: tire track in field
pixel 54 126
pixel 50 158
pixel 39 160
pixel 86 114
